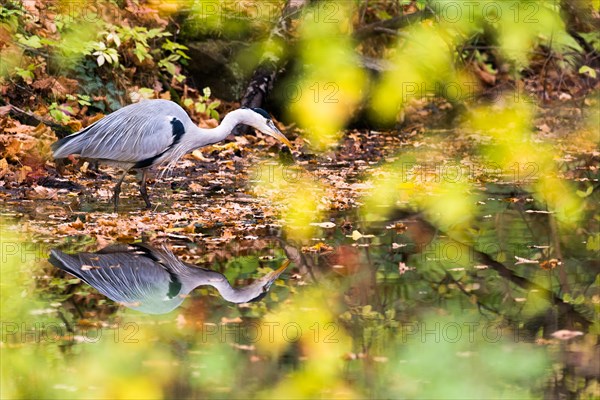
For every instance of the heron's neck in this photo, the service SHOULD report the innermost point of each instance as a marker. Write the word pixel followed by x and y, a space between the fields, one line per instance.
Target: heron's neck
pixel 219 282
pixel 203 137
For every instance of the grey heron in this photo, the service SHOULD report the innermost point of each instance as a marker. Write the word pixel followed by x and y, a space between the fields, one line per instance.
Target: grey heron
pixel 152 133
pixel 152 280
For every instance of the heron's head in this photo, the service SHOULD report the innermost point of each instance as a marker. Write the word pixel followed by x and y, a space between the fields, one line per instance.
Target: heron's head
pixel 259 288
pixel 261 120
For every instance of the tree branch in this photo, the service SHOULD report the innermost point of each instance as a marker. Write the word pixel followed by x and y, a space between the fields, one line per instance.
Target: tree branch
pixel 392 24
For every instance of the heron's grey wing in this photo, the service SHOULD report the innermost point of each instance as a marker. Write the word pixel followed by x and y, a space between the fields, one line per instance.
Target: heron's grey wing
pixel 129 277
pixel 138 133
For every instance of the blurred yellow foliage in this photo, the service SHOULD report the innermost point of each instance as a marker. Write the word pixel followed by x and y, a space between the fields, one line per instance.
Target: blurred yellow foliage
pixel 332 86
pixel 522 158
pixel 311 323
pixel 292 189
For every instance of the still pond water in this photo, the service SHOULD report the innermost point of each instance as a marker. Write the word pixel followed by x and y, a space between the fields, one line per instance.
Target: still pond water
pixel 362 308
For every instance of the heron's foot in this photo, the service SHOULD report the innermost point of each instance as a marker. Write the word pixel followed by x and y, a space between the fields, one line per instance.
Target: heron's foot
pixel 144 194
pixel 144 191
pixel 117 191
pixel 148 204
pixel 115 200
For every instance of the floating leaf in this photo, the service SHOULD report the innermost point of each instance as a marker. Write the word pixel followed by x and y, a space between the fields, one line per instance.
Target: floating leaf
pixel 325 225
pixel 565 334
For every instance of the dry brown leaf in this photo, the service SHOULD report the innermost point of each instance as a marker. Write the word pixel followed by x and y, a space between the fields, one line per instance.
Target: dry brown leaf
pixel 77 224
pixel 42 193
pixel 3 167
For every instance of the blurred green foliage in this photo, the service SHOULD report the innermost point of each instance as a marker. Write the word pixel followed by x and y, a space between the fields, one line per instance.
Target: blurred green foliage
pixel 352 348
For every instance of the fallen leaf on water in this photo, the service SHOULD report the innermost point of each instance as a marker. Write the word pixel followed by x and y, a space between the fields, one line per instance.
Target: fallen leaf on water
pixel 196 187
pixel 77 224
pixel 198 155
pixel 399 227
pixel 550 264
pixel 380 359
pixel 180 321
pixel 86 323
pixel 521 260
pixel 3 167
pixel 565 334
pixel 357 235
pixel 236 320
pixel 317 248
pixel 403 268
pixel 243 347
pixel 42 193
pixel 326 225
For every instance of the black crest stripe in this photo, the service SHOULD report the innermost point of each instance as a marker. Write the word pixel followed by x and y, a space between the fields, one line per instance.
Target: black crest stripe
pixel 261 112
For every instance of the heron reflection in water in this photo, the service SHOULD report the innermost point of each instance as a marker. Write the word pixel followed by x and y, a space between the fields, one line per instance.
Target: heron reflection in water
pixel 152 280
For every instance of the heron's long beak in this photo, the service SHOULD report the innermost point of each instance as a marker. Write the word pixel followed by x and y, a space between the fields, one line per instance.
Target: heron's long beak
pixel 272 276
pixel 276 133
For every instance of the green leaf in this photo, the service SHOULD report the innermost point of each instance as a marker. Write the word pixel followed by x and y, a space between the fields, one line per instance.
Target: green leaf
pixel 593 243
pixel 32 41
pixel 583 194
pixel 200 107
pixel 585 70
pixel 25 74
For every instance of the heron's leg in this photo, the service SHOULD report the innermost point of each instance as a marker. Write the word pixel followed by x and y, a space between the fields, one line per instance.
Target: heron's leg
pixel 117 190
pixel 144 191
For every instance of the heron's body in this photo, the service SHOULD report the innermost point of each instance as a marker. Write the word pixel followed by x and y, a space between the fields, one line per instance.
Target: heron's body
pixel 152 280
pixel 152 133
